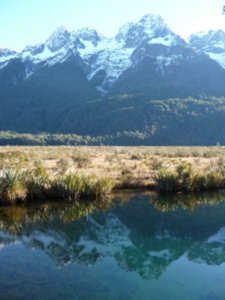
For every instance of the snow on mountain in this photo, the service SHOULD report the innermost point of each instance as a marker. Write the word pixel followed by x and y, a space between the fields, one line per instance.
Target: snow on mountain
pixel 102 54
pixel 212 43
pixel 152 28
pixel 45 55
pixel 114 56
pixel 87 35
pixel 54 50
pixel 154 25
pixel 58 39
pixel 218 237
pixel 109 56
pixel 111 239
pixel 105 59
pixel 168 40
pixel 5 56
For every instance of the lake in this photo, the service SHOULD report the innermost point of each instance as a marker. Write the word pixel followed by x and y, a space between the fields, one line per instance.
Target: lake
pixel 140 246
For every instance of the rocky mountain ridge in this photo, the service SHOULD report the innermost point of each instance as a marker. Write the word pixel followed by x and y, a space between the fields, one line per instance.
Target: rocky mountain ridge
pixel 147 82
pixel 104 60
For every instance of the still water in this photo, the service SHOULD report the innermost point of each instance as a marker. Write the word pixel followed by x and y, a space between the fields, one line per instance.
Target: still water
pixel 138 247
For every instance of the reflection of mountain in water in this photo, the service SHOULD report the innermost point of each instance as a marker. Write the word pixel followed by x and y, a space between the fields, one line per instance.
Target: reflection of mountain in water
pixel 137 235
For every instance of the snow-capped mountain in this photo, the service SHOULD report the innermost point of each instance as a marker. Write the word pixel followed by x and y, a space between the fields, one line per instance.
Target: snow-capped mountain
pixel 212 43
pixel 62 83
pixel 151 28
pixel 5 56
pixel 106 58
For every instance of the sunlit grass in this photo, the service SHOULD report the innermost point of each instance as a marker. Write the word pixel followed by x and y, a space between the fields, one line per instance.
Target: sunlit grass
pixel 37 186
pixel 66 172
pixel 185 179
pixel 11 186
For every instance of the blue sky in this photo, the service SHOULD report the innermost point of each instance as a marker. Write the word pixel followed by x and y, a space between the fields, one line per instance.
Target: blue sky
pixel 28 22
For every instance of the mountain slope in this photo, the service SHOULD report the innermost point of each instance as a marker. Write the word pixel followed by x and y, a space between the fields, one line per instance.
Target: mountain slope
pixel 84 83
pixel 212 43
pixel 144 55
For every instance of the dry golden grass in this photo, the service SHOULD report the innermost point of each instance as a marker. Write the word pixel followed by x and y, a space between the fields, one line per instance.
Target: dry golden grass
pixel 127 166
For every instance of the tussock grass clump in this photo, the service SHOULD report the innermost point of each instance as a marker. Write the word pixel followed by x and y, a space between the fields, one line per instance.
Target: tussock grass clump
pixel 11 186
pixel 37 186
pixel 68 187
pixel 37 183
pixel 166 181
pixel 215 180
pixel 73 187
pixel 185 179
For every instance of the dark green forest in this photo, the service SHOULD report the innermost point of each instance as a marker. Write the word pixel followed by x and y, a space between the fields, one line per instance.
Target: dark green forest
pixel 119 120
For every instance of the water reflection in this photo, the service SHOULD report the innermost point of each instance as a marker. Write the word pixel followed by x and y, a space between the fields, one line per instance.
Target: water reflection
pixel 144 235
pixel 189 202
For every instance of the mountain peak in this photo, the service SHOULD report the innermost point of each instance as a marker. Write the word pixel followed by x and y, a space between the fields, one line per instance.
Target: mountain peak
pixel 58 39
pixel 217 35
pixel 89 35
pixel 7 52
pixel 152 20
pixel 149 27
pixel 153 23
pixel 211 41
pixel 124 30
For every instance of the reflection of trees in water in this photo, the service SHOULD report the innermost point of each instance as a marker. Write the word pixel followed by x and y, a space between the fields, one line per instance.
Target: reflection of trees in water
pixel 14 219
pixel 188 202
pixel 136 234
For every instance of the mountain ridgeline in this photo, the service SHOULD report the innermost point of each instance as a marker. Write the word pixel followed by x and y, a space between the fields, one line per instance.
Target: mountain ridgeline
pixel 144 86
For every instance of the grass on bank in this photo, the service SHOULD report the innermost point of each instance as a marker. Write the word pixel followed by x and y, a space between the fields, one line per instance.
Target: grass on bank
pixel 167 169
pixel 16 186
pixel 36 185
pixel 185 179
